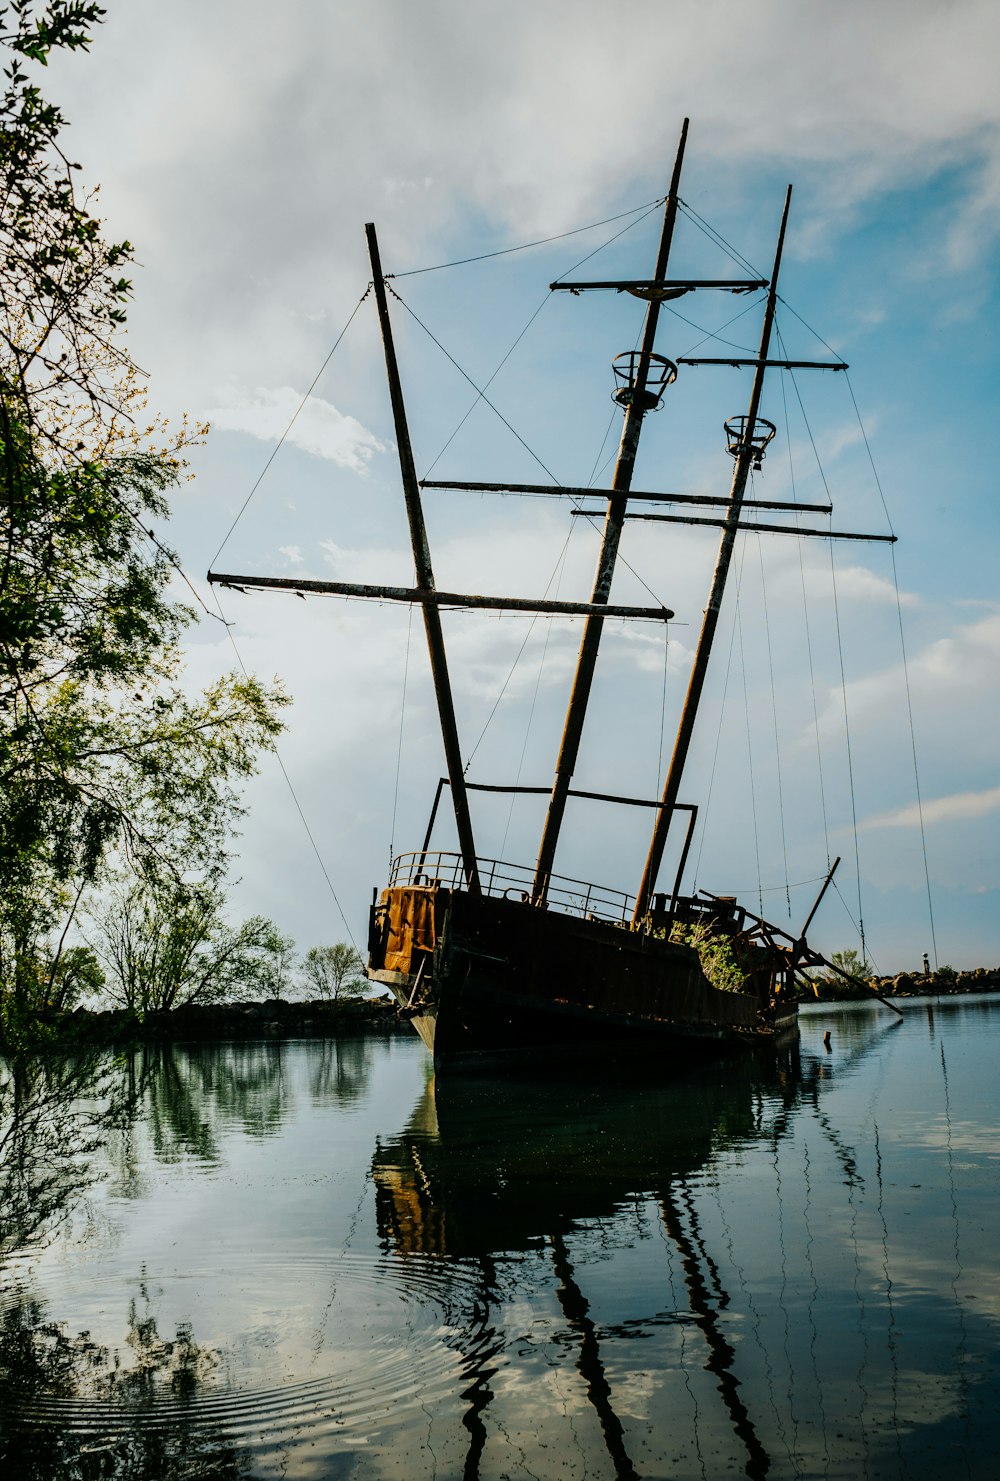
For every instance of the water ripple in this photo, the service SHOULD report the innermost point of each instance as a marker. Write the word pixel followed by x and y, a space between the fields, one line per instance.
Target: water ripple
pixel 320 1341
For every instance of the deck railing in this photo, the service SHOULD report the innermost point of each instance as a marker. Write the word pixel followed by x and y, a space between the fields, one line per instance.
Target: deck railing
pixel 513 882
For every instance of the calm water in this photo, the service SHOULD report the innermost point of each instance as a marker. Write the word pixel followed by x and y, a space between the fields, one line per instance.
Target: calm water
pixel 295 1260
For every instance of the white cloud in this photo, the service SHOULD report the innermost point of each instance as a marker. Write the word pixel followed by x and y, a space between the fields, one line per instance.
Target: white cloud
pixel 859 584
pixel 848 435
pixel 953 682
pixel 939 810
pixel 246 185
pixel 968 659
pixel 317 428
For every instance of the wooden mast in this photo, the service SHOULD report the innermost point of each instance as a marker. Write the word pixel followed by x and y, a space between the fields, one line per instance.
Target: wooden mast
pixel 425 580
pixel 614 521
pixel 741 473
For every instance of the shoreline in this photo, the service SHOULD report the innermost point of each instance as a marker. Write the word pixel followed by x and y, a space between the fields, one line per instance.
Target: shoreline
pixel 278 1018
pixel 285 1018
pixel 906 985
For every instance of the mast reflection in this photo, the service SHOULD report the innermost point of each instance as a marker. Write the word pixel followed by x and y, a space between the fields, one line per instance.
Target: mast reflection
pixel 488 1170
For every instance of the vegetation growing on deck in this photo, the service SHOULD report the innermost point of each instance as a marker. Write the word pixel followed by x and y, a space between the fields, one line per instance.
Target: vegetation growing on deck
pixel 716 954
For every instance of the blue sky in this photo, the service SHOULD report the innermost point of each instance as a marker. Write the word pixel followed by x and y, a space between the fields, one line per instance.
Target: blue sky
pixel 242 151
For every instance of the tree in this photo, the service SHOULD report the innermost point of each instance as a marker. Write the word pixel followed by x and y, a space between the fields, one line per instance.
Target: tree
pixel 107 762
pixel 165 944
pixel 851 962
pixel 334 972
pixel 62 289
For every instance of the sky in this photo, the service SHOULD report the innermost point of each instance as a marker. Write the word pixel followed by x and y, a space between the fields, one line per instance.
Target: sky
pixel 242 149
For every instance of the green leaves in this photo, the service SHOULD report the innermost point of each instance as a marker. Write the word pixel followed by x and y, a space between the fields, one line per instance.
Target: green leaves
pixel 113 774
pixel 334 972
pixel 61 285
pixel 166 944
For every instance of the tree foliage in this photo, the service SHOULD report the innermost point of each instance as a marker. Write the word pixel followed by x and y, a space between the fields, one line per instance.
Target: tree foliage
pixel 107 760
pixel 166 944
pixel 852 963
pixel 334 972
pixel 62 289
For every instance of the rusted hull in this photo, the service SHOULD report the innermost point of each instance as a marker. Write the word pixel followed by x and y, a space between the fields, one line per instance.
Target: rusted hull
pixel 488 982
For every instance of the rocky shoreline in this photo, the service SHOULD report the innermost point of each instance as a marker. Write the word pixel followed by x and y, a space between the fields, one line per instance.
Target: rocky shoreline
pixel 908 985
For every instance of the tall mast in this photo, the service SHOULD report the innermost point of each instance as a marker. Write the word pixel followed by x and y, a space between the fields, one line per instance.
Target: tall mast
pixel 614 520
pixel 741 473
pixel 425 579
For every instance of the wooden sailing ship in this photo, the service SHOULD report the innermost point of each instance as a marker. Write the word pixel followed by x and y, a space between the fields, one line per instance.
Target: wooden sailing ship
pixel 498 963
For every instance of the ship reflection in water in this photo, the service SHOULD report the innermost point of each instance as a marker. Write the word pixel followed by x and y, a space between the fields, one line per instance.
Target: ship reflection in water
pixel 691 1279
pixel 496 1171
pixel 781 1264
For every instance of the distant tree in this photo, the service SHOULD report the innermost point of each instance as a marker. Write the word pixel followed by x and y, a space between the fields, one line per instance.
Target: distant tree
pixel 334 972
pixel 281 963
pixel 852 962
pixel 164 944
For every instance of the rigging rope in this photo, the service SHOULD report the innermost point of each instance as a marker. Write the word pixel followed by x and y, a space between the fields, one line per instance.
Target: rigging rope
pixel 647 207
pixel 481 392
pixel 600 451
pixel 291 789
pixel 847 737
pixel 774 714
pixel 560 568
pixel 560 559
pixel 731 252
pixel 840 652
pixel 576 502
pixel 295 415
pixel 399 751
pixel 857 924
pixel 531 320
pixel 753 789
pixel 708 334
pixel 663 707
pixel 805 615
pixel 722 713
pixel 906 676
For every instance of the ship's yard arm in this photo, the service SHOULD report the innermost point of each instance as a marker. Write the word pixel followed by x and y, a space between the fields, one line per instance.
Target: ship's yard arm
pixel 710 622
pixel 425 580
pixel 614 520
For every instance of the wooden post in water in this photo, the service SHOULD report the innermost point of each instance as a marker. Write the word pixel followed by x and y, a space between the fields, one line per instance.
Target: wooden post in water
pixel 425 579
pixel 744 462
pixel 614 520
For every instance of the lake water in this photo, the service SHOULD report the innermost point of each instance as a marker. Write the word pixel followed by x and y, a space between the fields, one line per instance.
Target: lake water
pixel 297 1260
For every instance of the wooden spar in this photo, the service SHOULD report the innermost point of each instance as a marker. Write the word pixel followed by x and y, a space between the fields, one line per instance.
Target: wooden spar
pixel 425 579
pixel 741 474
pixel 819 898
pixel 613 525
pixel 771 364
pixel 663 289
pixel 714 500
pixel 433 598
pixel 748 529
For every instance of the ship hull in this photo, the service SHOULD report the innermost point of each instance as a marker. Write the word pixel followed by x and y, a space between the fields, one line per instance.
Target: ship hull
pixel 489 982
